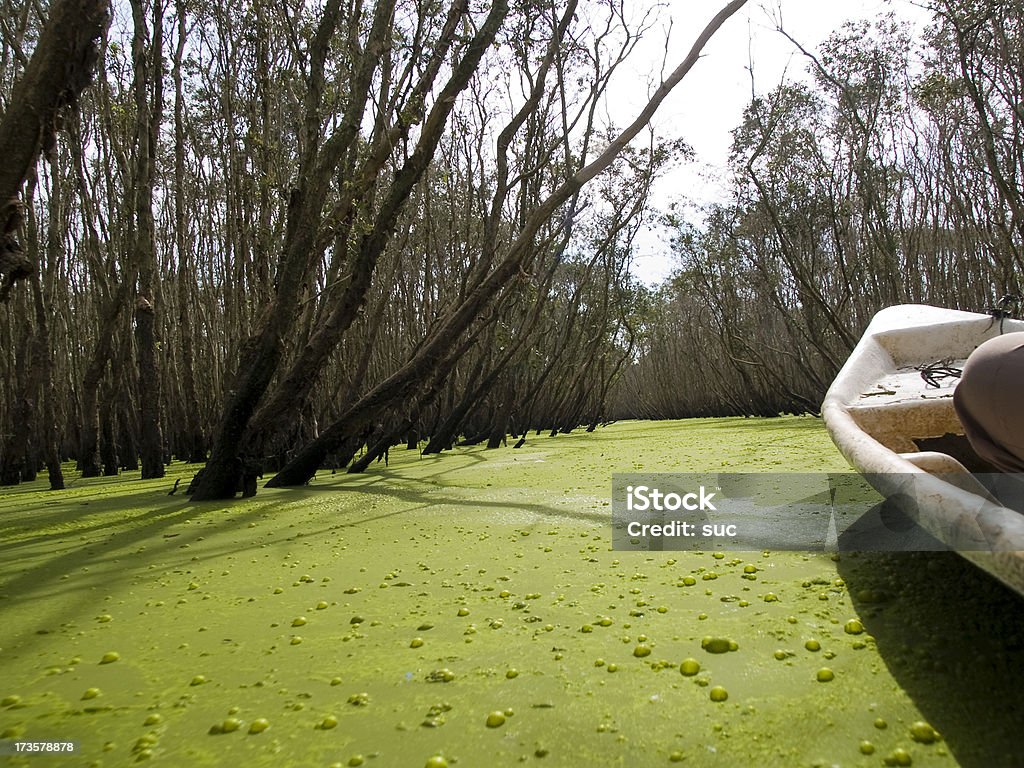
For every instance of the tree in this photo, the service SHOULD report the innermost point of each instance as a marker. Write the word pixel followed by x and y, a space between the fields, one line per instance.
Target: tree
pixel 261 354
pixel 871 185
pixel 60 68
pixel 404 382
pixel 147 59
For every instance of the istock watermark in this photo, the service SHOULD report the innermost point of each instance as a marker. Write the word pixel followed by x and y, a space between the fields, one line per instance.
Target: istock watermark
pixel 782 511
pixel 641 498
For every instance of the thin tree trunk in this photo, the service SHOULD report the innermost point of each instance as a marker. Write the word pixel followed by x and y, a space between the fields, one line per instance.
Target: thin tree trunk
pixel 148 60
pixel 129 427
pixel 109 434
pixel 48 420
pixel 15 449
pixel 194 449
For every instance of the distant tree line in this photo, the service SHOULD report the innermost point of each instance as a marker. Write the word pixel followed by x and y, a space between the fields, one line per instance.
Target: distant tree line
pixel 280 236
pixel 895 176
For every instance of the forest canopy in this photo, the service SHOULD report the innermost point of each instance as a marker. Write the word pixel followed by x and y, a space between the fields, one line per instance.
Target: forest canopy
pixel 284 236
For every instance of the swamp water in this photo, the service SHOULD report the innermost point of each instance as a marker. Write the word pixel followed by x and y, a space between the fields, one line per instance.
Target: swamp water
pixel 467 610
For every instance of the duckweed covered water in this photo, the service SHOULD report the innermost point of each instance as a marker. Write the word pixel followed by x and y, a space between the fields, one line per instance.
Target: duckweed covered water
pixel 467 610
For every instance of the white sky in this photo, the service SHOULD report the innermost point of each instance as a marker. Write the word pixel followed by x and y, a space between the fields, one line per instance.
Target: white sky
pixel 709 102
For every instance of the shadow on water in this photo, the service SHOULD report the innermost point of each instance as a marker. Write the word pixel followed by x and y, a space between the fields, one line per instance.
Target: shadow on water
pixel 412 498
pixel 953 637
pixel 111 551
pixel 105 536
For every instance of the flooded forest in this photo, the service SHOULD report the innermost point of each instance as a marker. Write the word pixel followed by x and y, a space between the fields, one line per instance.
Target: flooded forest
pixel 375 267
pixel 278 236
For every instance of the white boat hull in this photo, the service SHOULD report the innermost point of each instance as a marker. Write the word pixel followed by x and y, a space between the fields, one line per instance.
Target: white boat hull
pixel 878 410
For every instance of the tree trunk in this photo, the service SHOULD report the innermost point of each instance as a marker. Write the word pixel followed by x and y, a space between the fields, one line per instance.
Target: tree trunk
pixel 60 68
pixel 455 323
pixel 476 438
pixel 444 436
pixel 89 463
pixel 148 61
pixel 30 468
pixel 16 447
pixel 194 449
pixel 129 428
pixel 501 420
pixel 288 399
pixel 380 447
pixel 151 444
pixel 48 420
pixel 422 400
pixel 260 355
pixel 108 441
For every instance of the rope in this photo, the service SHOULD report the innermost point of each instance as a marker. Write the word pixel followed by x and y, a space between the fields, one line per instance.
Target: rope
pixel 933 373
pixel 1007 306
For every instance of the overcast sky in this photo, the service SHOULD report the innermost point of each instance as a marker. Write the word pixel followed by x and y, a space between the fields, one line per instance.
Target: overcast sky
pixel 709 103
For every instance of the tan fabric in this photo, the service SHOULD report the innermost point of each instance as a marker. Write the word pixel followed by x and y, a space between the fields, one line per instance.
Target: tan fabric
pixel 989 401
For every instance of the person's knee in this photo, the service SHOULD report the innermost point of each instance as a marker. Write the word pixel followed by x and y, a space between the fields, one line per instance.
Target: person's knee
pixel 989 403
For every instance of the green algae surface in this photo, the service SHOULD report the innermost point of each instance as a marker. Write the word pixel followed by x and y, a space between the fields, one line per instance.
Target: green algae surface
pixel 467 609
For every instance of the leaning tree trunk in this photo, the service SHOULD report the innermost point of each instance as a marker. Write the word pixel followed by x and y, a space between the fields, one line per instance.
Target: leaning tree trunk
pixel 479 387
pixel 424 361
pixel 261 353
pixel 444 436
pixel 60 67
pixel 284 404
pixel 422 401
pixel 380 447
